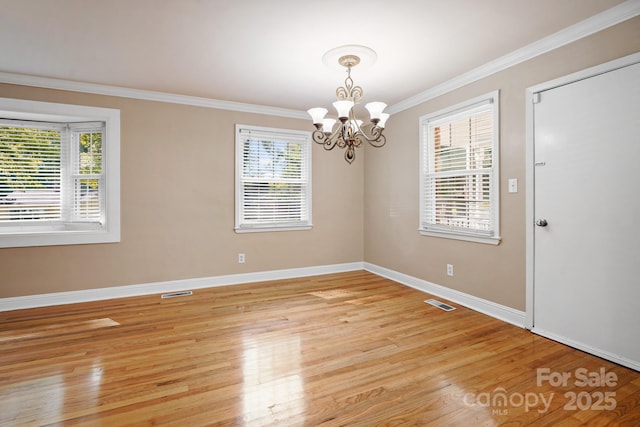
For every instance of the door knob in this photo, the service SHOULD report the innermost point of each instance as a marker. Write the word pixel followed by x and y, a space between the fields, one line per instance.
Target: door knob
pixel 542 223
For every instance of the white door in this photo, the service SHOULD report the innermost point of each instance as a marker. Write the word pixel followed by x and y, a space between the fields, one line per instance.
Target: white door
pixel 586 263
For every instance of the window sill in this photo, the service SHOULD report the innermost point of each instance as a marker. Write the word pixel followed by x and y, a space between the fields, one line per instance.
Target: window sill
pixel 461 236
pixel 53 237
pixel 271 228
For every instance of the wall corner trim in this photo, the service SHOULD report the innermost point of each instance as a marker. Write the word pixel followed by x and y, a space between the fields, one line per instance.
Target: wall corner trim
pixel 498 311
pixel 72 297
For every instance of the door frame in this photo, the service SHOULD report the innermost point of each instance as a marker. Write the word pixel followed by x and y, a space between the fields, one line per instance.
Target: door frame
pixel 532 94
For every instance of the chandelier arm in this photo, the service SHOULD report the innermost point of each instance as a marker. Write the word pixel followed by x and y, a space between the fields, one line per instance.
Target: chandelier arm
pixel 376 138
pixel 330 141
pixel 320 137
pixel 378 142
pixel 341 135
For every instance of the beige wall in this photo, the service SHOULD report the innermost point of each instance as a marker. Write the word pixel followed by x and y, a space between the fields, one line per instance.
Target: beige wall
pixel 174 155
pixel 495 273
pixel 177 205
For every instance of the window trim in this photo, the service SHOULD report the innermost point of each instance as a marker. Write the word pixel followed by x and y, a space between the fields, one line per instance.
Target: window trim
pixel 268 227
pixel 69 234
pixel 492 98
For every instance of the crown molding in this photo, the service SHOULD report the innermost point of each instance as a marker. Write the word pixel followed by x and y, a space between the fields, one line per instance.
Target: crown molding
pixel 147 95
pixel 599 22
pixel 617 14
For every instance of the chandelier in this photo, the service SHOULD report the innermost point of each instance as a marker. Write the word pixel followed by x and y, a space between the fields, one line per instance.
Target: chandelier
pixel 350 132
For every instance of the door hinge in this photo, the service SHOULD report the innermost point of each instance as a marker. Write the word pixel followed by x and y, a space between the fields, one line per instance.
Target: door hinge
pixel 536 98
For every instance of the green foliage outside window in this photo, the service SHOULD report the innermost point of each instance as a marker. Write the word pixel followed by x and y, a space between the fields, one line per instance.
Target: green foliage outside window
pixel 29 158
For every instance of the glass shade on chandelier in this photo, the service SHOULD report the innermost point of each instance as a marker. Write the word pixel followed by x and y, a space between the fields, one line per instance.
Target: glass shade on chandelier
pixel 350 134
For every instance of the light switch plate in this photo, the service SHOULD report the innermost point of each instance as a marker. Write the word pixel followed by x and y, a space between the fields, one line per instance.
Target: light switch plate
pixel 513 185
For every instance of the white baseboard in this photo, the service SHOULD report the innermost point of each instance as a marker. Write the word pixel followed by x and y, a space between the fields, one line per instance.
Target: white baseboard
pixel 498 311
pixel 70 297
pixel 502 312
pixel 620 360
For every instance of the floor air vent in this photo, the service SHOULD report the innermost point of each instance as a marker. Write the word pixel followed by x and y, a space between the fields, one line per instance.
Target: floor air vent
pixel 441 305
pixel 177 294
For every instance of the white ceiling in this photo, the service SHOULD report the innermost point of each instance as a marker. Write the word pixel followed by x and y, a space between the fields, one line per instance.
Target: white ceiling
pixel 269 52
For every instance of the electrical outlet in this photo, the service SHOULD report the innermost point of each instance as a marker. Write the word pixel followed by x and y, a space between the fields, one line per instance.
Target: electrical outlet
pixel 240 258
pixel 449 269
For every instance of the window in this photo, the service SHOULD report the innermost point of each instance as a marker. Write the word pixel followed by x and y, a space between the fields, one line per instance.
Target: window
pixel 59 174
pixel 273 179
pixel 459 171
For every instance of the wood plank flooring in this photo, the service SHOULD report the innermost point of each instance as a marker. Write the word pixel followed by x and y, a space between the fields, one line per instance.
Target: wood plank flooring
pixel 349 349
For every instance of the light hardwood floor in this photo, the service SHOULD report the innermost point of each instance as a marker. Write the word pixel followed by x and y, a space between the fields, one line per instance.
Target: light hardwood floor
pixel 349 349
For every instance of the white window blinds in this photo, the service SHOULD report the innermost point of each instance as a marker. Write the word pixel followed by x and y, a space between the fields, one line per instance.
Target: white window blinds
pixel 30 171
pixel 50 173
pixel 273 189
pixel 459 171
